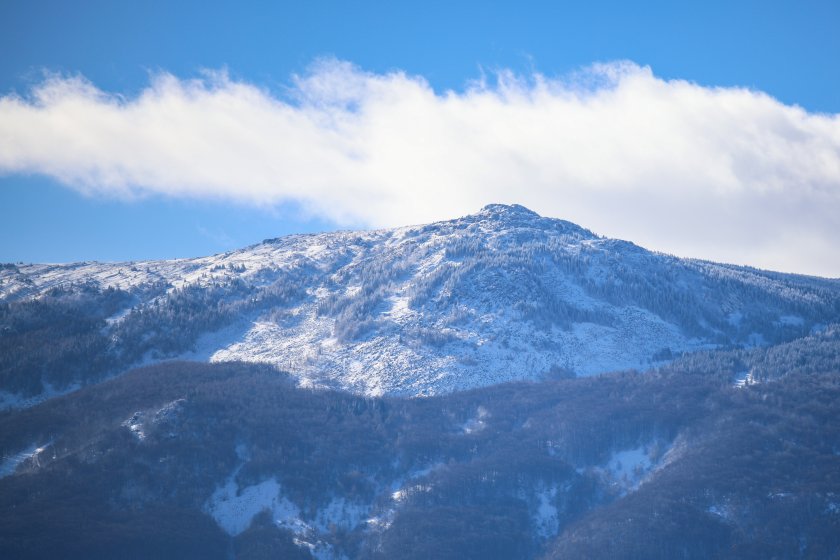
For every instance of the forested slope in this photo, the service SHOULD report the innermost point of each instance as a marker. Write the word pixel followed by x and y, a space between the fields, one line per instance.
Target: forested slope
pixel 204 460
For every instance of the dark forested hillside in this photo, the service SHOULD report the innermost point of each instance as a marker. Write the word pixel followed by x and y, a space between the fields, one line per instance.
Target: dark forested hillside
pixel 218 460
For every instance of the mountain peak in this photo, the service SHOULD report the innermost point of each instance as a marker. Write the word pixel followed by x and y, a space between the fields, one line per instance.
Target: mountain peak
pixel 516 210
pixel 516 215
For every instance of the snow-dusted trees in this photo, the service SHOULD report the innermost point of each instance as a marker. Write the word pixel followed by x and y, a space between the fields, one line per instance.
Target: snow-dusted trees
pixel 57 339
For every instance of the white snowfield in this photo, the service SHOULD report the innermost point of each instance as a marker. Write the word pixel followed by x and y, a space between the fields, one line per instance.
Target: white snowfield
pixel 500 295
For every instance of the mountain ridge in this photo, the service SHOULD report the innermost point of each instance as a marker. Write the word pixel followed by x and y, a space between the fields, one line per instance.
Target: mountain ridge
pixel 499 295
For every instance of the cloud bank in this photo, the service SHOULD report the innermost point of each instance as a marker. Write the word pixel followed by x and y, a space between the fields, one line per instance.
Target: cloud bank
pixel 722 173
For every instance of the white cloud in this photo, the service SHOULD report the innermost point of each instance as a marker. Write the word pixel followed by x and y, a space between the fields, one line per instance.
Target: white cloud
pixel 723 173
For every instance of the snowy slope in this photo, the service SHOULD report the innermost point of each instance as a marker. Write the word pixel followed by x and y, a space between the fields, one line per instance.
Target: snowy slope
pixel 500 295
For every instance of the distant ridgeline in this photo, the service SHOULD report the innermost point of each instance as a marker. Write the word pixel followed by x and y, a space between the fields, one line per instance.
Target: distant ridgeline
pixel 496 296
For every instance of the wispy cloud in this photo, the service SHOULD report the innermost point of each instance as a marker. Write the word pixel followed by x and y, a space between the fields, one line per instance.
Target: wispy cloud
pixel 724 173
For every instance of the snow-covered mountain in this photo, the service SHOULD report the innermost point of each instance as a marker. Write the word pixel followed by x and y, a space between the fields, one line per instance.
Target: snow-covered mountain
pixel 499 295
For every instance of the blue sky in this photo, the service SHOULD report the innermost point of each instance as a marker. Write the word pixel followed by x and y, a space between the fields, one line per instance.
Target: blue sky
pixel 788 50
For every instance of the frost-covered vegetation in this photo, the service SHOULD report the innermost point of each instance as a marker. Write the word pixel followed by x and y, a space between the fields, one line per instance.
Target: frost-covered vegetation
pixel 500 295
pixel 56 339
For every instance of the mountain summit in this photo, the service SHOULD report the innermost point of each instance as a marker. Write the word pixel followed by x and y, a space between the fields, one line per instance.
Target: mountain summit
pixel 508 210
pixel 503 294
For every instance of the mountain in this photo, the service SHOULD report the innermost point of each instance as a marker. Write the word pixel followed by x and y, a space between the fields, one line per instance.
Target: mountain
pixel 260 403
pixel 500 295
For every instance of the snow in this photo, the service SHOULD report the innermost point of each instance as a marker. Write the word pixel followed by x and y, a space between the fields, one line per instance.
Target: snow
pixel 135 424
pixel 10 464
pixel 209 343
pixel 404 493
pixel 476 423
pixel 399 309
pixel 138 421
pixel 744 379
pixel 488 350
pixel 117 317
pixel 720 510
pixel 446 307
pixel 381 522
pixel 545 518
pixel 627 469
pixel 401 491
pixel 630 465
pixel 234 508
pixel 791 320
pixel 342 514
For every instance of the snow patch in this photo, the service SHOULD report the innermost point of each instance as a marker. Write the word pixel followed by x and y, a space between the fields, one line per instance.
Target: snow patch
pixel 234 508
pixel 340 513
pixel 720 510
pixel 404 493
pixel 545 518
pixel 10 464
pixel 209 343
pixel 744 379
pixel 629 466
pixel 477 422
pixel 117 317
pixel 627 469
pixel 791 321
pixel 135 424
pixel 167 413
